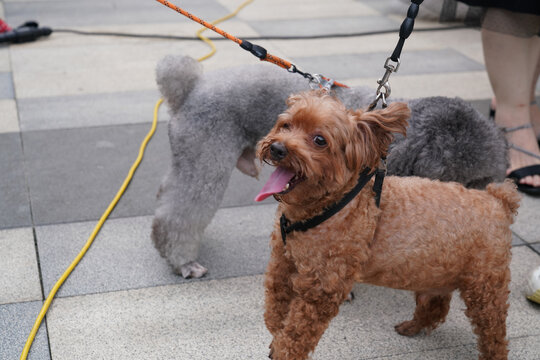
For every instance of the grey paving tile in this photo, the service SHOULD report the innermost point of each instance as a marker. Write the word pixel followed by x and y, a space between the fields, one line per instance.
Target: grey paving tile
pixel 366 65
pixel 65 112
pixel 224 319
pixel 16 321
pixel 74 174
pixel 523 314
pixel 527 347
pixel 6 86
pixel 112 65
pixel 203 320
pixel 520 348
pixel 482 105
pixel 5 65
pixel 323 26
pixel 18 264
pixel 9 121
pixel 14 204
pixel 123 256
pixel 528 219
pixel 300 9
pixel 102 12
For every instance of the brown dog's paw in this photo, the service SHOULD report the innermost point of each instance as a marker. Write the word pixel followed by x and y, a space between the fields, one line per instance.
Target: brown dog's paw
pixel 408 328
pixel 271 354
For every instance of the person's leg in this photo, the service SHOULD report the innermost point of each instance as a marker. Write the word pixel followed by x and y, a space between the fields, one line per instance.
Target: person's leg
pixel 510 67
pixel 535 110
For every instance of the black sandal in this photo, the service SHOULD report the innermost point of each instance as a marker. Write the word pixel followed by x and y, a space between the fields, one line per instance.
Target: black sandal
pixel 491 115
pixel 523 172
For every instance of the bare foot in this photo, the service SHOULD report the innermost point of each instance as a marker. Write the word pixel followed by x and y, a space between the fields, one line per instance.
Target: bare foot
pixel 524 138
pixel 535 119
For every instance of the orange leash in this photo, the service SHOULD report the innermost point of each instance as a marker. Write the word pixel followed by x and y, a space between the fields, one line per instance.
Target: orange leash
pixel 256 50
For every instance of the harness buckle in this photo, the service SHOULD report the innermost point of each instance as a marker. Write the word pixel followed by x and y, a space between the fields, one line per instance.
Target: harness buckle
pixel 382 164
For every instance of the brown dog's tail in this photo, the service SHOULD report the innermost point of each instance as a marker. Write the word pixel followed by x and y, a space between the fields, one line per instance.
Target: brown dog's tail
pixel 507 193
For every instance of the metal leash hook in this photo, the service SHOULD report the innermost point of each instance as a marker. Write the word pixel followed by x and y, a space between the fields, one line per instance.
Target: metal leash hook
pixel 384 90
pixel 316 81
pixel 405 31
pixel 320 82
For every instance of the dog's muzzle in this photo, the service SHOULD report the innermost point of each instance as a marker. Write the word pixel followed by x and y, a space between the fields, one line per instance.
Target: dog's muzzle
pixel 278 151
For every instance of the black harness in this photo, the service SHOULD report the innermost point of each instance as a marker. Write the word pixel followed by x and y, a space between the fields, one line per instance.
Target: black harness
pixel 365 176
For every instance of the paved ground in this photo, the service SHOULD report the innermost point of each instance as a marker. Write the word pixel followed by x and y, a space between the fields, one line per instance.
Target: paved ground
pixel 73 111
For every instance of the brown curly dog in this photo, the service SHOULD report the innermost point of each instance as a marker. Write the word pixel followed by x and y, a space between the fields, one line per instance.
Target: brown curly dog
pixel 427 236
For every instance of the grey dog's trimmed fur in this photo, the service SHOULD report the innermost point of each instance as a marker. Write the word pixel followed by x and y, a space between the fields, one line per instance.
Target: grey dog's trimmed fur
pixel 218 117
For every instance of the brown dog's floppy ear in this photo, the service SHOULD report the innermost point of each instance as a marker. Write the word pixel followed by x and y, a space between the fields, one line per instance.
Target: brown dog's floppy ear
pixel 376 128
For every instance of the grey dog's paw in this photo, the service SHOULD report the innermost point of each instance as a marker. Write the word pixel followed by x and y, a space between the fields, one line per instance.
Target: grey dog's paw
pixel 193 270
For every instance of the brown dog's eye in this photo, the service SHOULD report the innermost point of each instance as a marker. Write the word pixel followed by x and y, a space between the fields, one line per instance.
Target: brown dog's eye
pixel 285 126
pixel 319 140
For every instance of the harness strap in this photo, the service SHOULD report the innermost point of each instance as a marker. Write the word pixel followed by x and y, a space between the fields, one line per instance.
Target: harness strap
pixel 286 226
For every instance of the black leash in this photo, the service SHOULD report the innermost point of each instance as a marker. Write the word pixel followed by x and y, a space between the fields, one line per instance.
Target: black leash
pixel 365 176
pixel 405 31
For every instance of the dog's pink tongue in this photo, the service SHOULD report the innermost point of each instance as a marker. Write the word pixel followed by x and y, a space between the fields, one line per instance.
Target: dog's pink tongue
pixel 275 184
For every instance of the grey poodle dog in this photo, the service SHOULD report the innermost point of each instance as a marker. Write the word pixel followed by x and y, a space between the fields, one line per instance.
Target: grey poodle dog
pixel 218 117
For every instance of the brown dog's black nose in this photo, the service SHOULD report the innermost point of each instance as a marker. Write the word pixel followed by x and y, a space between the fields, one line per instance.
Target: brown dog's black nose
pixel 278 151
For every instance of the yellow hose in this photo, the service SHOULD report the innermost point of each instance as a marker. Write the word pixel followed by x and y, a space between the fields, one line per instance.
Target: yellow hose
pixel 86 246
pixel 207 40
pixel 117 198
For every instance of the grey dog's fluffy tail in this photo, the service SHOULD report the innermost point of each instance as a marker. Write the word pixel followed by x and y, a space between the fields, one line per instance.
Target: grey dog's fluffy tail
pixel 176 76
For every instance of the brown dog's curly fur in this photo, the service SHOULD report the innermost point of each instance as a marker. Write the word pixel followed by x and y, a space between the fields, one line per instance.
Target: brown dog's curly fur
pixel 427 236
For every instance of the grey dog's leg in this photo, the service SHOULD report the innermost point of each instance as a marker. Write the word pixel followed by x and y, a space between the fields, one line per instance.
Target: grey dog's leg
pixel 191 193
pixel 177 230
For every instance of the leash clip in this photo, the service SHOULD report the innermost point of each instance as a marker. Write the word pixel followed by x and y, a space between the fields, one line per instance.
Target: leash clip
pixel 383 82
pixel 384 90
pixel 319 81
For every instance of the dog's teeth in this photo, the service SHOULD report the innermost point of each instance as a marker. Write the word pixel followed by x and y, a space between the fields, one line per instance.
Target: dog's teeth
pixel 287 186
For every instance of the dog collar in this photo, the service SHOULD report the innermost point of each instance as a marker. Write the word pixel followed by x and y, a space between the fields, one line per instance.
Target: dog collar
pixel 286 226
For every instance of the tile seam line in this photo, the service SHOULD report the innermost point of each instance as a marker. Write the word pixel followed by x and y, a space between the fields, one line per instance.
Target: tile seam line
pixel 187 282
pixel 21 302
pixel 82 221
pixel 532 248
pixel 29 199
pixel 76 128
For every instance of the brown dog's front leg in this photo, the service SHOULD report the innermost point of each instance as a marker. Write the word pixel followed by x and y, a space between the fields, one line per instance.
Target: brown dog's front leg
pixel 278 289
pixel 316 302
pixel 304 326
